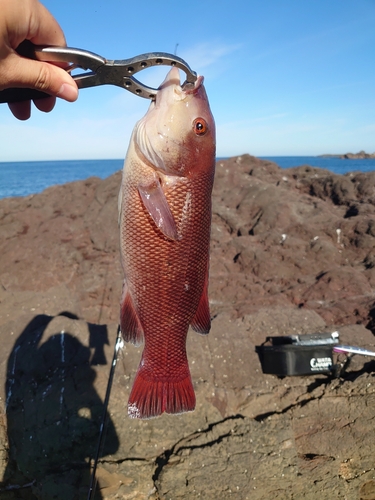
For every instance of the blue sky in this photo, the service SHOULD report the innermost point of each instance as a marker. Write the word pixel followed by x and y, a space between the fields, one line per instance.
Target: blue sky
pixel 283 77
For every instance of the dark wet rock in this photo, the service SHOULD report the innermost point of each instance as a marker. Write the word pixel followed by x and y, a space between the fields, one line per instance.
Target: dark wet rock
pixel 292 253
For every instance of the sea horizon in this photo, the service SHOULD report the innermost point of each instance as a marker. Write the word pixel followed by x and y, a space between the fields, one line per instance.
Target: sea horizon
pixel 23 178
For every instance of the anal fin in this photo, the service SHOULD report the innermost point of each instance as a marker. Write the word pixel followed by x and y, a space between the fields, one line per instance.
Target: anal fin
pixel 201 323
pixel 131 328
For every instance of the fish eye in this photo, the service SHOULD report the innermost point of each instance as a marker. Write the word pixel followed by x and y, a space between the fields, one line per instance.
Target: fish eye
pixel 200 126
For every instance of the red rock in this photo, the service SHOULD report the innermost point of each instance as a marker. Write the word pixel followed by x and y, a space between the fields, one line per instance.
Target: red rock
pixel 292 252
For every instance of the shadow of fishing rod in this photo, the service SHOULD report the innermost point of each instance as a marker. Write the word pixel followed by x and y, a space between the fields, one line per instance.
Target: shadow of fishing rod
pixel 93 480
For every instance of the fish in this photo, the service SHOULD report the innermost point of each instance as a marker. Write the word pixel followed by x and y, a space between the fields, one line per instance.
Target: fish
pixel 165 224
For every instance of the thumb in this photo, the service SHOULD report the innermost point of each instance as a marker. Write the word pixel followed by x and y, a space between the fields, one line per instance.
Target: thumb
pixel 43 76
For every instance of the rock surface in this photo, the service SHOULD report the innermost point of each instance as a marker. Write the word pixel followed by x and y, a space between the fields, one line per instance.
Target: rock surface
pixel 293 251
pixel 361 155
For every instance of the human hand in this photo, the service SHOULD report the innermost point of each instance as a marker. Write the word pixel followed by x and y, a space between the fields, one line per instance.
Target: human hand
pixel 29 20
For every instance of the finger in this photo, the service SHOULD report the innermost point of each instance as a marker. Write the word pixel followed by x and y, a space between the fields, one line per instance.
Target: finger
pixel 21 110
pixel 44 29
pixel 23 72
pixel 46 105
pixel 29 20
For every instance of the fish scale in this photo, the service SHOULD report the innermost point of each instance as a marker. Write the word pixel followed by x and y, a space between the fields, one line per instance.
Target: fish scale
pixel 156 304
pixel 138 232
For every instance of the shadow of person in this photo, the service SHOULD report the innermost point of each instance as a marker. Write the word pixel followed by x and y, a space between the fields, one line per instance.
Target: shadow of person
pixel 53 413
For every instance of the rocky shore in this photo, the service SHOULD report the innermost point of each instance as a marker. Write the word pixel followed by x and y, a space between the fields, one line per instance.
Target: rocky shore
pixel 362 155
pixel 293 251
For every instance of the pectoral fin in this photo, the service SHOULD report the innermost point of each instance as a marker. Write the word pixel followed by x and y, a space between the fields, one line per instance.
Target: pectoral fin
pixel 156 204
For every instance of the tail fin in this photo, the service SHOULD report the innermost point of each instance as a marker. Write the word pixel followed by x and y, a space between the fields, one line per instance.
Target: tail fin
pixel 151 398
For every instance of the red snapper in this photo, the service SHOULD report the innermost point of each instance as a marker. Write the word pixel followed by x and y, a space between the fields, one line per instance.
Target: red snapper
pixel 165 221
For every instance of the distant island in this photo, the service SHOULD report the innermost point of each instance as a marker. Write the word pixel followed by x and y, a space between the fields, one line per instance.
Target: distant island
pixel 362 155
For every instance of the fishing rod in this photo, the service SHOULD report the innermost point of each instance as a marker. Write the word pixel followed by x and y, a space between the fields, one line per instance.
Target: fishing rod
pixel 93 481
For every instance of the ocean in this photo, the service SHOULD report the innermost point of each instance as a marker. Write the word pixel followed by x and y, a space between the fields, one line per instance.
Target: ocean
pixel 31 177
pixel 24 178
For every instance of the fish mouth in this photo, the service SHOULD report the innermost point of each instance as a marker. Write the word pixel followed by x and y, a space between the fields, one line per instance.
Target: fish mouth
pixel 180 92
pixel 192 88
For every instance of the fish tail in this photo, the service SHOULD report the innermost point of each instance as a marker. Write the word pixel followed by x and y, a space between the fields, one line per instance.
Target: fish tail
pixel 150 398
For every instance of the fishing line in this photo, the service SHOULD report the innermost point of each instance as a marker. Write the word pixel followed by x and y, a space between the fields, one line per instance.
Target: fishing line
pixel 93 481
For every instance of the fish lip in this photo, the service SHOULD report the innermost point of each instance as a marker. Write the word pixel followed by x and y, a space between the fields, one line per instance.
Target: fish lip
pixel 190 88
pixel 180 92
